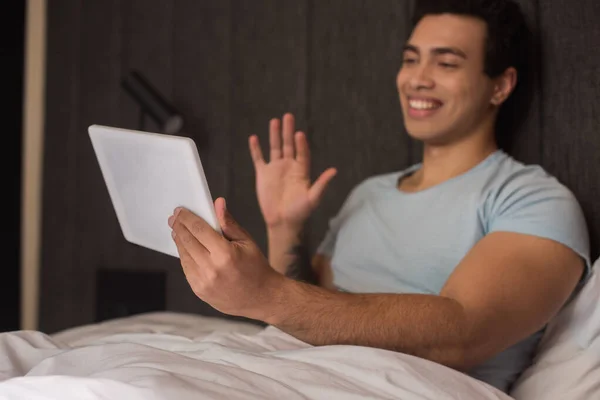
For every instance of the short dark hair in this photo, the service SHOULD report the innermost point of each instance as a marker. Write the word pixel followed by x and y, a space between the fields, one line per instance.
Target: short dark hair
pixel 509 43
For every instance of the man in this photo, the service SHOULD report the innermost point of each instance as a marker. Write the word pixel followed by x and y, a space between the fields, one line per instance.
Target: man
pixel 461 259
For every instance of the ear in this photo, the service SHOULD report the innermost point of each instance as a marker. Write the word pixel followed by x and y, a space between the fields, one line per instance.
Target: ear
pixel 504 86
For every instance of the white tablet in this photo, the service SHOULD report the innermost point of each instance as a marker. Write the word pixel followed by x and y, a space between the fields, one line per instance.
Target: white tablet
pixel 148 175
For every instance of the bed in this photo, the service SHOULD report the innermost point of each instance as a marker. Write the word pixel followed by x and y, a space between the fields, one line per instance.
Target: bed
pixel 169 355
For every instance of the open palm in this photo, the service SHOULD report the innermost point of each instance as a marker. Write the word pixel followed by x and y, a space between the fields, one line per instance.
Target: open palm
pixel 283 187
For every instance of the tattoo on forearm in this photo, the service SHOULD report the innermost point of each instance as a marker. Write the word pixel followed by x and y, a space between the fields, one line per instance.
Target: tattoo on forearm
pixel 300 268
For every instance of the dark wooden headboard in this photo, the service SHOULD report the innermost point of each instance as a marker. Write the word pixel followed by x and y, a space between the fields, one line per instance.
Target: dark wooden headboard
pixel 230 66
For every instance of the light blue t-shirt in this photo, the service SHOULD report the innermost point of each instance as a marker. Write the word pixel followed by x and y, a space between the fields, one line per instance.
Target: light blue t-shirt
pixel 384 240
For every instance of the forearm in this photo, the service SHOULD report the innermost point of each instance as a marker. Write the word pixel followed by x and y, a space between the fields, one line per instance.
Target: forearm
pixel 289 256
pixel 430 327
pixel 280 241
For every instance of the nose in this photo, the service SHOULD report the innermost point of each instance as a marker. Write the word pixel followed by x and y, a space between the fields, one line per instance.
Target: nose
pixel 421 77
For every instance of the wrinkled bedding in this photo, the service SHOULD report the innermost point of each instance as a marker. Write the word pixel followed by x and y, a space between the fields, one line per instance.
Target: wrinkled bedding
pixel 178 356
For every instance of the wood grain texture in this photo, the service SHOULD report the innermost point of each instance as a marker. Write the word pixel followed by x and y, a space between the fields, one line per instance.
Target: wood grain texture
pixel 58 287
pixel 526 141
pixel 202 82
pixel 268 79
pixel 231 65
pixel 355 121
pixel 570 110
pixel 95 221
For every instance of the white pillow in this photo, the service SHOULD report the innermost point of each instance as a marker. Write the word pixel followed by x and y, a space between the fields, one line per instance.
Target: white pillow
pixel 567 365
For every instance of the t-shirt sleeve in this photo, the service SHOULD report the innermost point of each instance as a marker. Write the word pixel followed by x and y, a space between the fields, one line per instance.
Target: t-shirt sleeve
pixel 542 207
pixel 354 200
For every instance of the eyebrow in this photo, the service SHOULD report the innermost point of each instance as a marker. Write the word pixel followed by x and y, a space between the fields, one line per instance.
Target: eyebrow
pixel 438 51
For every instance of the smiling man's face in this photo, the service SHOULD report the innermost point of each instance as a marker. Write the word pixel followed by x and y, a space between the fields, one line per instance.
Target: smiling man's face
pixel 444 92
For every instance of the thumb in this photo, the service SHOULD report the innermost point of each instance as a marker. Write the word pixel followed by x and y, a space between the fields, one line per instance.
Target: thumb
pixel 317 189
pixel 231 229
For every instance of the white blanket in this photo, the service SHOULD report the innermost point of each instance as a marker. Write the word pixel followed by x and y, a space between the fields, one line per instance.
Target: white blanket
pixel 154 361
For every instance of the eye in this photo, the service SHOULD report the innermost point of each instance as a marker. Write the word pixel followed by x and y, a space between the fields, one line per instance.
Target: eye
pixel 448 65
pixel 409 61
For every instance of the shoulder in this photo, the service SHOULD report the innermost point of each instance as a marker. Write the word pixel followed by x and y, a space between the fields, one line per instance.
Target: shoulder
pixel 527 199
pixel 514 184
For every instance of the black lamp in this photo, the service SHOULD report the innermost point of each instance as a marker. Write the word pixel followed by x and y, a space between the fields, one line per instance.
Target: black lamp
pixel 152 103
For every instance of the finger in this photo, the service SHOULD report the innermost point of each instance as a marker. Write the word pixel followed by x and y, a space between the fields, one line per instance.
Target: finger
pixel 288 136
pixel 187 262
pixel 255 150
pixel 193 247
pixel 317 189
pixel 200 230
pixel 275 139
pixel 302 151
pixel 190 268
pixel 231 229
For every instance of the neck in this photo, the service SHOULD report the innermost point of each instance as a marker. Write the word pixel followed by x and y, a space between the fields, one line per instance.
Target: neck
pixel 444 162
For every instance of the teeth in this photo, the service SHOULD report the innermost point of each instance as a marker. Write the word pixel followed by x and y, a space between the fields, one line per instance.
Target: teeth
pixel 423 105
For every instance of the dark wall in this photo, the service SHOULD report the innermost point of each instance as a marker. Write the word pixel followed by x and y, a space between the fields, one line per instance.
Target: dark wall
pixel 230 66
pixel 12 45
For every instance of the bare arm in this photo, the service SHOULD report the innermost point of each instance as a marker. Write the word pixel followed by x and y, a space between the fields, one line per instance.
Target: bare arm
pixel 280 241
pixel 289 256
pixel 285 193
pixel 505 289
